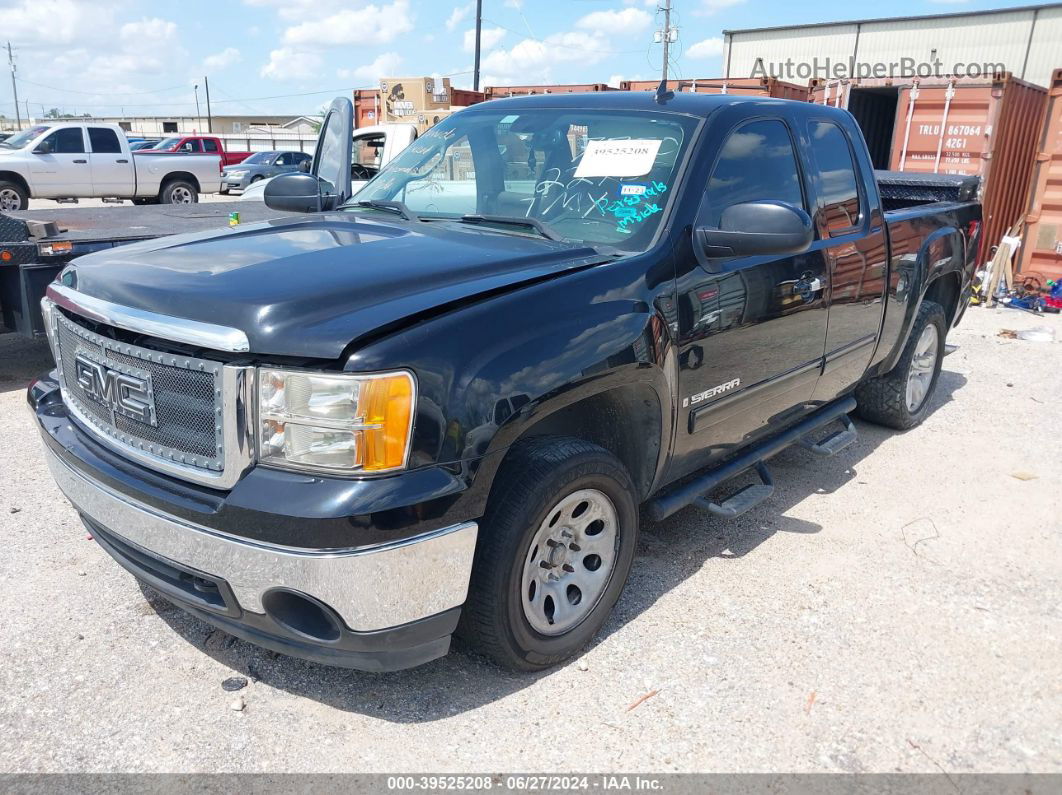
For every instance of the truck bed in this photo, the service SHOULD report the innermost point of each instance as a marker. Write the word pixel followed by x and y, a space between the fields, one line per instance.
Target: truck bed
pixel 140 222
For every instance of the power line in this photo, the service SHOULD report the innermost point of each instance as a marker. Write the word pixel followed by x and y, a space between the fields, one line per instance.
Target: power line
pixel 101 93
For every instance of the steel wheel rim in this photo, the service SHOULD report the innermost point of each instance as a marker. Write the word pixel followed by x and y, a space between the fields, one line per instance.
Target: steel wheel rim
pixel 9 199
pixel 569 562
pixel 923 364
pixel 181 196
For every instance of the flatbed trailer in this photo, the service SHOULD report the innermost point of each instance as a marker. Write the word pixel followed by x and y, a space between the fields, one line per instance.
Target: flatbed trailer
pixel 36 244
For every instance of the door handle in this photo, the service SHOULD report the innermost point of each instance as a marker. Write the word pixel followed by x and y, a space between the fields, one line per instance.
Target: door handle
pixel 123 160
pixel 80 161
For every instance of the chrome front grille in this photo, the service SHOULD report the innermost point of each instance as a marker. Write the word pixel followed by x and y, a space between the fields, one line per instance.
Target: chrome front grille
pixel 181 415
pixel 186 394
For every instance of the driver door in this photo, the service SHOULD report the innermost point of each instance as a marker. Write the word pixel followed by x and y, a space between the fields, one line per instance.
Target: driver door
pixel 752 329
pixel 64 171
pixel 333 155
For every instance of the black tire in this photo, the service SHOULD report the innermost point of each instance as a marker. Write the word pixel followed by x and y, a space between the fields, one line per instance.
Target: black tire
pixel 13 194
pixel 536 476
pixel 173 190
pixel 255 179
pixel 883 400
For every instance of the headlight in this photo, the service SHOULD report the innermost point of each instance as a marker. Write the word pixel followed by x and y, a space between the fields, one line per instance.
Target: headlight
pixel 236 174
pixel 340 423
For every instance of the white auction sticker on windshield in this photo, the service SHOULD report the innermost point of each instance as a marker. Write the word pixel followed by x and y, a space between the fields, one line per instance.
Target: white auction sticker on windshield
pixel 622 158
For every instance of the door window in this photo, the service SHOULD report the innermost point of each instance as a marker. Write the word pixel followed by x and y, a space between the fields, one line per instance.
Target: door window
pixel 285 159
pixel 104 141
pixel 367 151
pixel 757 163
pixel 68 141
pixel 210 146
pixel 840 194
pixel 191 146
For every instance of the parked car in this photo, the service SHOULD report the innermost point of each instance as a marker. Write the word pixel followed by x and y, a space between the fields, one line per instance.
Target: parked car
pixel 5 135
pixel 136 146
pixel 200 144
pixel 259 166
pixel 372 148
pixel 437 407
pixel 77 160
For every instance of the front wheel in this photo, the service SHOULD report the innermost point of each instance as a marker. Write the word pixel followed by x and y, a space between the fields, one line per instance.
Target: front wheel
pixel 178 191
pixel 900 398
pixel 13 196
pixel 554 552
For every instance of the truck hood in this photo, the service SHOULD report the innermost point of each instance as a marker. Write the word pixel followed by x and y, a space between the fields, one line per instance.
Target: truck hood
pixel 310 286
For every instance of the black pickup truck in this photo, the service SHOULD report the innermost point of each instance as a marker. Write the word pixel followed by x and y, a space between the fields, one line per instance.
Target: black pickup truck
pixel 435 408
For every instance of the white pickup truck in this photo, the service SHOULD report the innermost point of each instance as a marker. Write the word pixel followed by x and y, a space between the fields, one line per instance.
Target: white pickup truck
pixel 372 148
pixel 77 160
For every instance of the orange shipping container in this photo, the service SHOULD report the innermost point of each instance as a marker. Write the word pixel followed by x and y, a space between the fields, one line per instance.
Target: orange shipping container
pixel 1041 249
pixel 756 86
pixel 499 92
pixel 979 127
pixel 366 107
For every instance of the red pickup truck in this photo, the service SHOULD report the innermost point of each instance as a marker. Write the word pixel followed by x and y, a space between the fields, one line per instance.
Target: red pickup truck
pixel 200 144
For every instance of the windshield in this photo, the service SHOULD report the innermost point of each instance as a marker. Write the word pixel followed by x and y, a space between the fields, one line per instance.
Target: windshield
pixel 167 143
pixel 260 157
pixel 19 140
pixel 595 177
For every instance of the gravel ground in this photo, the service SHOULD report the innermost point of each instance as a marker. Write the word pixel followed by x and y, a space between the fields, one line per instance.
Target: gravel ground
pixel 895 608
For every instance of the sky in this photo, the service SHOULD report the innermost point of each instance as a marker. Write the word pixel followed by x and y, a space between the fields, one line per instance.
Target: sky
pixel 128 57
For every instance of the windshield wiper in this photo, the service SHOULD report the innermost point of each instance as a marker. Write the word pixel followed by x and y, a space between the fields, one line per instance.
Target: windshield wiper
pixel 394 206
pixel 506 220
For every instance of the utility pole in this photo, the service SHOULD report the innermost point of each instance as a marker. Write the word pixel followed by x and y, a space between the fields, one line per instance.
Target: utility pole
pixel 666 35
pixel 14 88
pixel 479 30
pixel 210 118
pixel 195 88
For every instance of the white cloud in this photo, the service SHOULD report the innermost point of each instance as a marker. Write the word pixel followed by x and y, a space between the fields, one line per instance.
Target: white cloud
pixel 223 59
pixel 531 60
pixel 371 24
pixel 288 64
pixel 58 22
pixel 615 80
pixel 457 15
pixel 626 20
pixel 489 39
pixel 710 7
pixel 385 65
pixel 517 4
pixel 709 48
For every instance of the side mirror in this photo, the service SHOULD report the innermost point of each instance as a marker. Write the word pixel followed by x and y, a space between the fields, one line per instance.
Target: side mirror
pixel 43 148
pixel 765 227
pixel 299 193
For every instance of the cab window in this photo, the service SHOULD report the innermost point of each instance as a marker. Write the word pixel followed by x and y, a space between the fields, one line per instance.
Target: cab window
pixel 210 146
pixel 837 177
pixel 757 163
pixel 68 141
pixel 104 141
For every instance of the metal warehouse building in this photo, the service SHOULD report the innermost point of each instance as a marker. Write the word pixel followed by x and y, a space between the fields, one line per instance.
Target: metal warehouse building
pixel 1026 41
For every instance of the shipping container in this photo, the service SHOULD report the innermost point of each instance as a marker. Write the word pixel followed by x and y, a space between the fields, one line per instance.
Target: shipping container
pixel 1041 251
pixel 755 86
pixel 463 97
pixel 366 107
pixel 986 127
pixel 498 92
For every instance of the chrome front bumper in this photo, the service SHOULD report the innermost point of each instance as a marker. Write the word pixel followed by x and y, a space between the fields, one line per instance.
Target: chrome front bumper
pixel 371 589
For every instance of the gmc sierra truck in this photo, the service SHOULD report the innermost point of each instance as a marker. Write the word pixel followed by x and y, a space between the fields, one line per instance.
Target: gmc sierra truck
pixel 435 408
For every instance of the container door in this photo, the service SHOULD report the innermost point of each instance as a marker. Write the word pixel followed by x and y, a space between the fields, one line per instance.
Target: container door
pixel 112 169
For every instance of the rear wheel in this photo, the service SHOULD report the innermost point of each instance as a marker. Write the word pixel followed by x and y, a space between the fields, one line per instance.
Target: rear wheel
pixel 13 196
pixel 900 398
pixel 554 552
pixel 178 191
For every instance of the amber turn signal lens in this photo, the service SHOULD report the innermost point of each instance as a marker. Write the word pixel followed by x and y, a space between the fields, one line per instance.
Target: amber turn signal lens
pixel 386 406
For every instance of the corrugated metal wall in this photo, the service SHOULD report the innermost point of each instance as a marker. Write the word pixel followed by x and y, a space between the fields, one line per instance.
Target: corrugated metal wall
pixel 1025 42
pixel 1041 249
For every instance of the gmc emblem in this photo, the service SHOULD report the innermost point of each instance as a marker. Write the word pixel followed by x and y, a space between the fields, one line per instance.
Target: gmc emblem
pixel 124 393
